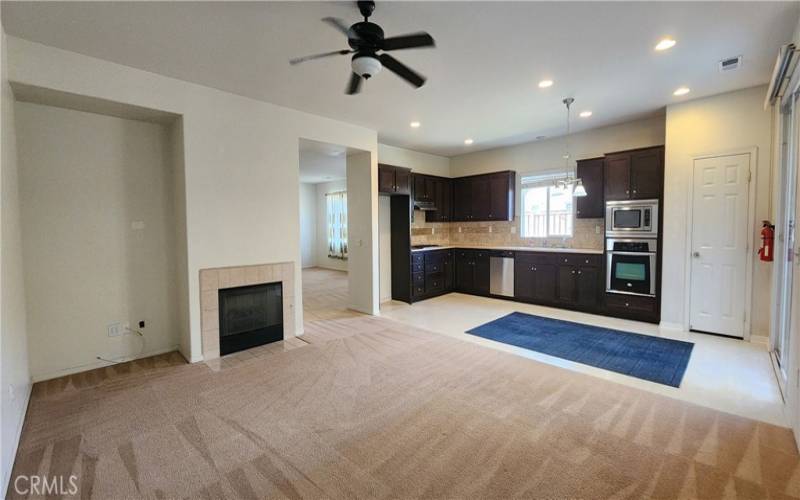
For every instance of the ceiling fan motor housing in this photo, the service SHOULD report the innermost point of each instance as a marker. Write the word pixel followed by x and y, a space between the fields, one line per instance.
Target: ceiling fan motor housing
pixel 366 65
pixel 365 35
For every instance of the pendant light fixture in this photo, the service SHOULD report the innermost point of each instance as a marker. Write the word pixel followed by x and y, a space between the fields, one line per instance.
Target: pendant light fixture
pixel 569 180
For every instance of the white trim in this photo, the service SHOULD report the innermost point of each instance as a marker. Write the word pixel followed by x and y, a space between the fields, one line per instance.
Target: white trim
pixel 751 219
pixel 666 325
pixel 17 436
pixel 100 364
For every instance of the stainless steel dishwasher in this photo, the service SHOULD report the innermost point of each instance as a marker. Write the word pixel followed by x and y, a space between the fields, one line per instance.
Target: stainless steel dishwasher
pixel 501 273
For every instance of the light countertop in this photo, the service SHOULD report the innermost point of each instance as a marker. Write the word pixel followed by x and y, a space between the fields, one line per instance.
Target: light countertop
pixel 516 249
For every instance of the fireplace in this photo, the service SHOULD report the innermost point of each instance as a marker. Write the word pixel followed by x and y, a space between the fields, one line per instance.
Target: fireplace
pixel 250 316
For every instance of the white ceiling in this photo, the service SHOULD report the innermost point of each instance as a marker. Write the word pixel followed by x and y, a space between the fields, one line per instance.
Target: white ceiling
pixel 482 76
pixel 322 162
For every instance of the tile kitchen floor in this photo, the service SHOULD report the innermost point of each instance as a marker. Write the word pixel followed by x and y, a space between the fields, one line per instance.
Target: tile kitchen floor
pixel 725 374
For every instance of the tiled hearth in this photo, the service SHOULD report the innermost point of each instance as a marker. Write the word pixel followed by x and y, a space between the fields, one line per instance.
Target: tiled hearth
pixel 211 280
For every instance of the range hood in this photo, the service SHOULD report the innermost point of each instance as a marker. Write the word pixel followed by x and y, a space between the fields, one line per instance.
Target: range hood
pixel 425 206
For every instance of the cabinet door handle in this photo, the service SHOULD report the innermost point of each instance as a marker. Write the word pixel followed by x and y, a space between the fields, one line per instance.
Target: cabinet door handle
pixel 634 191
pixel 565 260
pixel 579 272
pixel 573 272
pixel 533 269
pixel 627 305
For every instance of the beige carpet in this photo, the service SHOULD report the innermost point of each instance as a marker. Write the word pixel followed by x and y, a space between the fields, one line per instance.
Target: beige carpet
pixel 374 409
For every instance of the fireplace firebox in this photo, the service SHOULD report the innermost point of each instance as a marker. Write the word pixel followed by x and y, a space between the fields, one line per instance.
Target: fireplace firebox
pixel 250 316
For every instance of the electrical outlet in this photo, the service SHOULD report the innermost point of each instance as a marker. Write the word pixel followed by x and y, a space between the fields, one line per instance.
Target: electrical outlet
pixel 115 329
pixel 596 229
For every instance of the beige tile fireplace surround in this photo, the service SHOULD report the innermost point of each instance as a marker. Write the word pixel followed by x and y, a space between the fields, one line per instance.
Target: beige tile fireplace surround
pixel 212 280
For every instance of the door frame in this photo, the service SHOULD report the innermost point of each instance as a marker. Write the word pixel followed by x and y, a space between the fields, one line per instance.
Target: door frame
pixel 751 221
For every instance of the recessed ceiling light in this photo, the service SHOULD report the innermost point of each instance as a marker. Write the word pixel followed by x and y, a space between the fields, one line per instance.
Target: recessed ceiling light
pixel 666 43
pixel 545 83
pixel 681 91
pixel 415 124
pixel 585 114
pixel 468 141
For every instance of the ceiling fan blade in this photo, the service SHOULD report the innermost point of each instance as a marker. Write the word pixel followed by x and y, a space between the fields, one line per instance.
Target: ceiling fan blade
pixel 409 41
pixel 354 85
pixel 340 25
pixel 298 60
pixel 402 70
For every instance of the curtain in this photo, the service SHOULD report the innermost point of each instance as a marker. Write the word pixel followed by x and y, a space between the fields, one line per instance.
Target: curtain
pixel 337 224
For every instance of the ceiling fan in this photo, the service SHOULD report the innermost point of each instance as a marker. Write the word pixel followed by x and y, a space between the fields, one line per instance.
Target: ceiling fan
pixel 366 40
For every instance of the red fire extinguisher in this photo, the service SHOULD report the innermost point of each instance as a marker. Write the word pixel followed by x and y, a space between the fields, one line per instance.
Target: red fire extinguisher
pixel 767 241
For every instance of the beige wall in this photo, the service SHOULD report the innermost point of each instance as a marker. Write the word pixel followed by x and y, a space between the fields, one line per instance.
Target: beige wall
pixel 421 163
pixel 85 181
pixel 321 244
pixel 362 202
pixel 724 123
pixel 241 162
pixel 308 225
pixel 15 383
pixel 547 154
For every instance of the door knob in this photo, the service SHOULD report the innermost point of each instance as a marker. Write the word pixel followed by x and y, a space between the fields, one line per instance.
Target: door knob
pixel 696 254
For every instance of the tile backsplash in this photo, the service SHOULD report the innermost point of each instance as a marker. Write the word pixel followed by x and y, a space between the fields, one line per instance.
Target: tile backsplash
pixel 587 233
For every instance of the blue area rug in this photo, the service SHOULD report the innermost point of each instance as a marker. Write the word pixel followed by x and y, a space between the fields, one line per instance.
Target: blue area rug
pixel 650 358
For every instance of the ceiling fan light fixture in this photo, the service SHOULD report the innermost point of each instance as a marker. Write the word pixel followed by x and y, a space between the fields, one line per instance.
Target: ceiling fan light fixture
pixel 366 65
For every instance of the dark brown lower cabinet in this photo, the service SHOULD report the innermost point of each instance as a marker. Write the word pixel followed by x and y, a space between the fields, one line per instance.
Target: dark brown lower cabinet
pixel 544 282
pixel 564 280
pixel 472 271
pixel 431 273
pixel 632 307
pixel 589 287
pixel 465 270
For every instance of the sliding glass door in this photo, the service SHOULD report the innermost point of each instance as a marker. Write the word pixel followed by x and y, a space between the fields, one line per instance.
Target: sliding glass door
pixel 785 230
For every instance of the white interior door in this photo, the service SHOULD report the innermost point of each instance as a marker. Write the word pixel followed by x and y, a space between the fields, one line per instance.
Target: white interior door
pixel 719 244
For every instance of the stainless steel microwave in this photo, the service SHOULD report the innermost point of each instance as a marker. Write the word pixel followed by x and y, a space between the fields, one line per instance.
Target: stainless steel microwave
pixel 632 218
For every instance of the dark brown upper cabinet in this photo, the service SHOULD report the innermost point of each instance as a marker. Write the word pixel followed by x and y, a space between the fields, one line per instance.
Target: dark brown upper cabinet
pixel 424 189
pixel 394 180
pixel 592 205
pixel 488 197
pixel 442 200
pixel 634 175
pixel 647 173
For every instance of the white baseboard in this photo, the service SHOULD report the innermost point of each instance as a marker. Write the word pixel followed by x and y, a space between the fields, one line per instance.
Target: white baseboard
pixel 666 325
pixel 759 339
pixel 99 364
pixel 17 436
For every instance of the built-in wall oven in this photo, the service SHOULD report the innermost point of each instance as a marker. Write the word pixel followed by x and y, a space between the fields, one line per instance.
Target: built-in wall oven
pixel 632 219
pixel 631 266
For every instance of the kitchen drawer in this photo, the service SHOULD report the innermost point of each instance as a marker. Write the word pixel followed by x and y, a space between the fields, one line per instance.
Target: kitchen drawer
pixel 417 258
pixel 577 259
pixel 418 279
pixel 417 290
pixel 417 267
pixel 536 258
pixel 434 282
pixel 434 263
pixel 632 303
